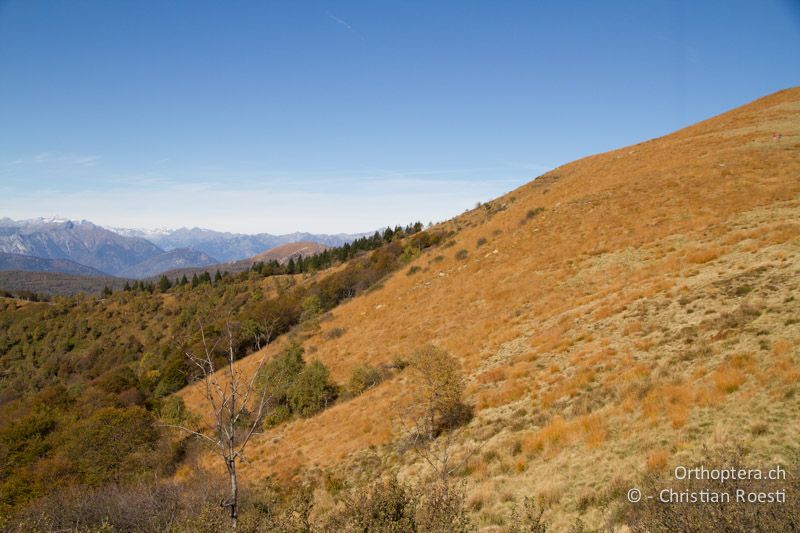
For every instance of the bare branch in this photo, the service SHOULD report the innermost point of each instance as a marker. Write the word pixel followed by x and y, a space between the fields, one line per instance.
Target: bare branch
pixel 192 432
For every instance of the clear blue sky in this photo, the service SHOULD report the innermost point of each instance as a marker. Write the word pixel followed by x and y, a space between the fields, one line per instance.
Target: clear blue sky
pixel 346 116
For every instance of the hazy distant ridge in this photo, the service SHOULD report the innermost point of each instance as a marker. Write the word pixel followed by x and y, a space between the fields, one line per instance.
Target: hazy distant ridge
pixel 227 246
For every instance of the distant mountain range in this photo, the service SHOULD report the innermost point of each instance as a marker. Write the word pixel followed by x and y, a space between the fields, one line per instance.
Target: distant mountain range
pixel 231 246
pixel 84 248
pixel 82 242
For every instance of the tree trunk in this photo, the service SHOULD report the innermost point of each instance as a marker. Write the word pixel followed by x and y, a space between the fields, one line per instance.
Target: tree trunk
pixel 234 498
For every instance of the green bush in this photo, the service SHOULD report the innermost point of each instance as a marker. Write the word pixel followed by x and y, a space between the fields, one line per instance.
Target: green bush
pixel 398 363
pixel 172 377
pixel 442 509
pixel 334 333
pixel 413 270
pixel 461 254
pixel 410 252
pixel 387 506
pixel 364 377
pixel 528 519
pixel 279 374
pixel 293 387
pixel 173 411
pixel 312 308
pixel 533 212
pixel 312 391
pixel 277 415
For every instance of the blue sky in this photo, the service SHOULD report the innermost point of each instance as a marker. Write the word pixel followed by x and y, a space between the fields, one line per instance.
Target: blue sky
pixel 347 116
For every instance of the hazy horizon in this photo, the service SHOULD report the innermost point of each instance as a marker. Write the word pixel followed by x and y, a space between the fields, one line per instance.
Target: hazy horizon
pixel 156 230
pixel 433 201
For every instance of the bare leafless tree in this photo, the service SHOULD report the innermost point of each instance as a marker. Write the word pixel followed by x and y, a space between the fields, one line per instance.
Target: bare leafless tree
pixel 237 404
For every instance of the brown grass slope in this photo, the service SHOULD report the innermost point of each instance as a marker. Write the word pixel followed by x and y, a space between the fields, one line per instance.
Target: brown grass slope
pixel 283 252
pixel 624 310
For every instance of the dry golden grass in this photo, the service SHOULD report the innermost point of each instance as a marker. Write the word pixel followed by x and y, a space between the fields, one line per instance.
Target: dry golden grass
pixel 578 317
pixel 728 379
pixel 509 392
pixel 567 387
pixel 657 460
pixel 671 402
pixel 703 256
pixel 492 376
pixel 708 397
pixel 781 347
pixel 786 371
pixel 551 437
pixel 594 428
pixel 549 494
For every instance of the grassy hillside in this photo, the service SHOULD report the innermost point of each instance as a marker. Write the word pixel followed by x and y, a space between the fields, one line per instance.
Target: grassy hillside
pixel 283 252
pixel 612 317
pixel 280 254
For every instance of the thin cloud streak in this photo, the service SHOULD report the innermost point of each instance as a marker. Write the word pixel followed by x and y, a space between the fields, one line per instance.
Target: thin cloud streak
pixel 58 159
pixel 345 24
